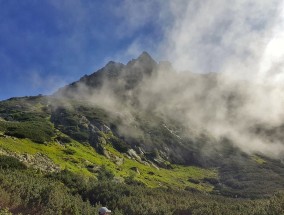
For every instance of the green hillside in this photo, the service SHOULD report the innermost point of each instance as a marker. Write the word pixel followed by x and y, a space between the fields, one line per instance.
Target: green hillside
pixel 48 169
pixel 87 146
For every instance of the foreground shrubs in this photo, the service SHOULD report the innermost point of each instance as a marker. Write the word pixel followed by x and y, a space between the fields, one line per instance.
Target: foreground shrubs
pixel 30 192
pixel 7 162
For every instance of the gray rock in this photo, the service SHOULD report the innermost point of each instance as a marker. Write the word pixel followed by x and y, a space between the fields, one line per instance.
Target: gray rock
pixel 135 169
pixel 105 153
pixel 134 155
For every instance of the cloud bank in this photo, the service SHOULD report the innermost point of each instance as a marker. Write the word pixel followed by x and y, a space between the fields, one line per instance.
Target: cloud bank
pixel 243 41
pixel 236 49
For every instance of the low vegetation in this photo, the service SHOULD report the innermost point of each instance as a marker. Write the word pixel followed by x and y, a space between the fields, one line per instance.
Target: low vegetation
pixel 31 192
pixel 95 167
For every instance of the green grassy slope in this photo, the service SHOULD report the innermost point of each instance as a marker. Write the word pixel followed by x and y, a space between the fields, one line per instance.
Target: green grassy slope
pixel 69 159
pixel 80 137
pixel 25 128
pixel 83 160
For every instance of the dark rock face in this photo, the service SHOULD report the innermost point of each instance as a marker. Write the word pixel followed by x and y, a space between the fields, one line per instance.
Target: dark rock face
pixel 119 76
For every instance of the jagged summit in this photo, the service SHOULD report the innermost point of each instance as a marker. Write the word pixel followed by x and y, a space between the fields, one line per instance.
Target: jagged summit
pixel 116 73
pixel 145 55
pixel 112 68
pixel 144 60
pixel 113 63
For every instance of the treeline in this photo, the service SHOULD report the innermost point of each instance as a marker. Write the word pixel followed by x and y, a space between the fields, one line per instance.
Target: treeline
pixel 28 191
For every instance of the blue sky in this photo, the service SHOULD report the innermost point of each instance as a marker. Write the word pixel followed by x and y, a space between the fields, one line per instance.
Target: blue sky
pixel 49 43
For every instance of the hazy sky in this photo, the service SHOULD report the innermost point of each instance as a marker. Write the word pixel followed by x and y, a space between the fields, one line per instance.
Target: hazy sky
pixel 49 43
pixel 46 44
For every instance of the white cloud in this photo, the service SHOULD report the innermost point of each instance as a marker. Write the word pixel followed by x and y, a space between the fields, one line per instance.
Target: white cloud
pixel 214 35
pixel 242 40
pixel 136 15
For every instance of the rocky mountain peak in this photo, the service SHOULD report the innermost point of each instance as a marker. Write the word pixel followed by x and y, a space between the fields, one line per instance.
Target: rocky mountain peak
pixel 144 59
pixel 116 73
pixel 145 56
pixel 112 64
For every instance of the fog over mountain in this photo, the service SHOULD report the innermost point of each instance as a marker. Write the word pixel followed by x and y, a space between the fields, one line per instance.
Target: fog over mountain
pixel 226 79
pixel 191 120
pixel 249 114
pixel 243 43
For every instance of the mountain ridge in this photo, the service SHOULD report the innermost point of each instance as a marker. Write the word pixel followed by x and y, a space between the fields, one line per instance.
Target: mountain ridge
pixel 113 70
pixel 174 145
pixel 115 123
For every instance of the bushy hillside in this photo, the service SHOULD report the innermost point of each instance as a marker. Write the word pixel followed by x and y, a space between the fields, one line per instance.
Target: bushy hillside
pixel 73 146
pixel 95 143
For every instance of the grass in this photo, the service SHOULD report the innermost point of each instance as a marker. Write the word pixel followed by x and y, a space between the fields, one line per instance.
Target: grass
pixel 77 157
pixel 83 155
pixel 176 177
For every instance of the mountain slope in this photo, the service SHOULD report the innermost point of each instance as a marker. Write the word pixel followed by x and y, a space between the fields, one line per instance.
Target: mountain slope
pixel 117 122
pixel 151 132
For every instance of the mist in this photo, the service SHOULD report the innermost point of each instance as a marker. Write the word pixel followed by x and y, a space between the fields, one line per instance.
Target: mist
pixel 243 42
pixel 227 77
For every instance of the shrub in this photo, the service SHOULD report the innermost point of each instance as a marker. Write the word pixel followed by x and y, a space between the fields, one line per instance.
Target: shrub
pixel 39 132
pixel 7 162
pixel 105 174
pixel 63 139
pixel 119 145
pixel 81 136
pixel 69 151
pixel 31 193
pixel 5 212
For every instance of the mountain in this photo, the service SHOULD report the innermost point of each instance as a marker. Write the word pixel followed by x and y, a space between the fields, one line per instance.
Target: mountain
pixel 119 76
pixel 126 125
